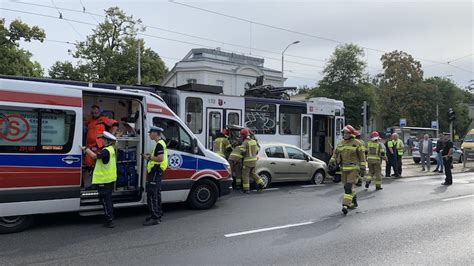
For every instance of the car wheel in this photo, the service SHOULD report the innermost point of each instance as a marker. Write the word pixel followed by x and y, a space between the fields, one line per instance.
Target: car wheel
pixel 318 177
pixel 203 195
pixel 417 160
pixel 13 224
pixel 266 178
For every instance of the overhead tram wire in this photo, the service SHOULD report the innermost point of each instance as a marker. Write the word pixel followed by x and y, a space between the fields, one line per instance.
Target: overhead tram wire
pixel 70 24
pixel 175 32
pixel 163 38
pixel 90 14
pixel 295 32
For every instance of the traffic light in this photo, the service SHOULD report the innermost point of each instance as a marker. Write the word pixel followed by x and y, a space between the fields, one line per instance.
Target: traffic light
pixel 451 114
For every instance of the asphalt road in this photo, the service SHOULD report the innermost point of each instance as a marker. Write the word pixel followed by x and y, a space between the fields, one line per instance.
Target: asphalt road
pixel 412 221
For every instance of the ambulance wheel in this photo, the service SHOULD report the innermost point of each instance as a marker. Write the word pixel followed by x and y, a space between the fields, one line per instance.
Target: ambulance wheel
pixel 318 177
pixel 203 195
pixel 13 224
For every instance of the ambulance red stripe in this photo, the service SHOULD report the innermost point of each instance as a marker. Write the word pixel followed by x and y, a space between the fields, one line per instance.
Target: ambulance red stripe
pixel 26 97
pixel 21 177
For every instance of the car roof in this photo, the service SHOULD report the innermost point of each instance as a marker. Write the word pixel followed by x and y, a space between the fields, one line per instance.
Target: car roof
pixel 277 144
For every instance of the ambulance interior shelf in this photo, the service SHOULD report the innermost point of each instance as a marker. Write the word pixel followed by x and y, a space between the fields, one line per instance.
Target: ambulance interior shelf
pixel 127 163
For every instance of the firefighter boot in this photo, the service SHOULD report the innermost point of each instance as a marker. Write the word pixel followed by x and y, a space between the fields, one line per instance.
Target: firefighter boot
pixel 378 187
pixel 367 184
pixel 344 209
pixel 359 182
pixel 354 203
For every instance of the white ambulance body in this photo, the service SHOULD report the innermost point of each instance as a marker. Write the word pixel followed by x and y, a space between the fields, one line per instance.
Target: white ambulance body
pixel 42 129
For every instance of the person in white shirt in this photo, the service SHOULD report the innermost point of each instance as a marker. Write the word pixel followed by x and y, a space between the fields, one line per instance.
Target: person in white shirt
pixel 426 150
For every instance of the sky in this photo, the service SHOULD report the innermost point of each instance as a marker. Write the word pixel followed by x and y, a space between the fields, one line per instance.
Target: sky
pixel 437 33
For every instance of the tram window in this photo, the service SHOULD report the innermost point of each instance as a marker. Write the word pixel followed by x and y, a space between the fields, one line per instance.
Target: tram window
pixel 260 117
pixel 193 112
pixel 290 120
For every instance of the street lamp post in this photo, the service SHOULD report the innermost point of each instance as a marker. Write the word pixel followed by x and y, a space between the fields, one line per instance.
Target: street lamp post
pixel 283 60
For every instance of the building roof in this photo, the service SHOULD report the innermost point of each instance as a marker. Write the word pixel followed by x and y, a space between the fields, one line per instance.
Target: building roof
pixel 200 54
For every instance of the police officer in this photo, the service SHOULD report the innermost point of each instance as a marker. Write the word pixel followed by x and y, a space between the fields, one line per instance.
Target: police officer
pixel 156 166
pixel 350 156
pixel 105 174
pixel 249 150
pixel 398 144
pixel 364 150
pixel 222 144
pixel 375 155
pixel 393 156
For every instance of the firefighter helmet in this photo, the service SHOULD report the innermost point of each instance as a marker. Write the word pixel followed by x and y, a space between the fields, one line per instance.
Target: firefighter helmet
pixel 374 135
pixel 349 129
pixel 245 132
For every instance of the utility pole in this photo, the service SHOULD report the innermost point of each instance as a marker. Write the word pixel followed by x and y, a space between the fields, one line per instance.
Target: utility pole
pixel 364 114
pixel 139 70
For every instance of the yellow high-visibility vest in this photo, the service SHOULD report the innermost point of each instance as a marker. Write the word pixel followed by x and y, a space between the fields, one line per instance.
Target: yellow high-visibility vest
pixel 105 173
pixel 163 164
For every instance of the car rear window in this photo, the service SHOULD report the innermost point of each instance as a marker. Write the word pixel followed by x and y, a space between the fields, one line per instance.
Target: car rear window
pixel 275 152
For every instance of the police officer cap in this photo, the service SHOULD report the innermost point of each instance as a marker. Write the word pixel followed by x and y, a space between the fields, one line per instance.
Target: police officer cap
pixel 388 135
pixel 155 129
pixel 109 136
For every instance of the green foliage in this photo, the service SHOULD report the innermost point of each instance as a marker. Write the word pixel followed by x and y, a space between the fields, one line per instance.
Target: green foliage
pixel 14 60
pixel 110 54
pixel 345 79
pixel 402 93
pixel 449 95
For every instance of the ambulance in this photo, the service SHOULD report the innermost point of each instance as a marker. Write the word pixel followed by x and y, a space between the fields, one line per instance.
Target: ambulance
pixel 41 164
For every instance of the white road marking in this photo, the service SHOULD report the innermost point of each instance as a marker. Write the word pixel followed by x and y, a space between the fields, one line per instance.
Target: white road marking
pixel 267 229
pixel 456 198
pixel 318 185
pixel 269 189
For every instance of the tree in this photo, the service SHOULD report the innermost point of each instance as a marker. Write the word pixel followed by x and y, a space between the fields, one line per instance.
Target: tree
pixel 110 54
pixel 14 60
pixel 451 96
pixel 344 78
pixel 402 92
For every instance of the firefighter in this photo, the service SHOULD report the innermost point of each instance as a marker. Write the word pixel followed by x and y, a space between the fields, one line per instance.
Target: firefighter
pixel 95 125
pixel 350 157
pixel 249 150
pixel 364 149
pixel 376 153
pixel 156 166
pixel 221 143
pixel 105 174
pixel 235 162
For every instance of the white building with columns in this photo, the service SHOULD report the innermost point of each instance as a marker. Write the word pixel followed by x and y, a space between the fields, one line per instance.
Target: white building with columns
pixel 214 67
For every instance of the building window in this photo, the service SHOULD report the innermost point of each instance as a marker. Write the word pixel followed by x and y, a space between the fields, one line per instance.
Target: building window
pixel 191 81
pixel 220 83
pixel 38 131
pixel 290 120
pixel 260 117
pixel 193 110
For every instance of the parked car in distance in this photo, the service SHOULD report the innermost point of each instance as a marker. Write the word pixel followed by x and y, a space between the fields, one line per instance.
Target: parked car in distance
pixel 280 162
pixel 457 153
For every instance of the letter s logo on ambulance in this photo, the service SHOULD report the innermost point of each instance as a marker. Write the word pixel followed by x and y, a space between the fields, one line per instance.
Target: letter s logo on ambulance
pixel 14 128
pixel 175 161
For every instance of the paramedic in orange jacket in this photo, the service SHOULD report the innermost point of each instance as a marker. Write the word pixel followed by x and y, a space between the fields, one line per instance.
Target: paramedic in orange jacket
pixel 96 125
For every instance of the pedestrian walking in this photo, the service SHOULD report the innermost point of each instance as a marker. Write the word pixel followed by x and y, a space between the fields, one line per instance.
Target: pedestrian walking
pixel 439 157
pixel 157 162
pixel 410 146
pixel 105 174
pixel 426 150
pixel 375 155
pixel 350 156
pixel 447 154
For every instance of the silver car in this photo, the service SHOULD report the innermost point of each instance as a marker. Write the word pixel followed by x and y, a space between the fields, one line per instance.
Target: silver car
pixel 283 162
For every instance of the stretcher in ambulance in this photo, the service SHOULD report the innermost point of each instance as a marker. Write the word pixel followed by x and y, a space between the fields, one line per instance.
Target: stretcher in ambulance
pixel 41 164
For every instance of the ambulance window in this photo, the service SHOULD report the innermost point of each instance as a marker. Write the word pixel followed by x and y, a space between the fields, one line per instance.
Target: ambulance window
pixel 19 131
pixel 290 120
pixel 260 117
pixel 193 112
pixel 174 134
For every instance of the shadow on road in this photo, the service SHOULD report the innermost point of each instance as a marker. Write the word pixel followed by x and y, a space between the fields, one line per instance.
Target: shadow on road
pixel 440 189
